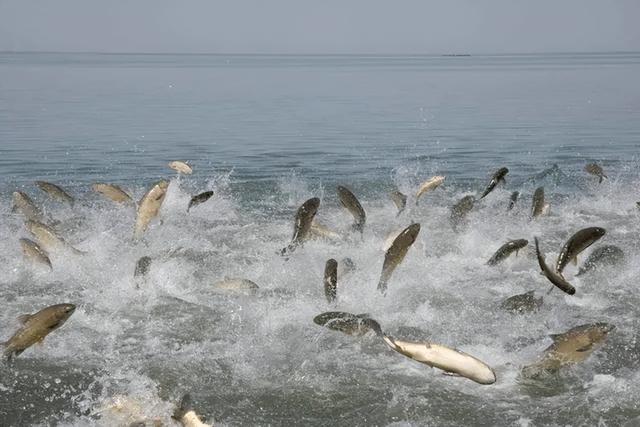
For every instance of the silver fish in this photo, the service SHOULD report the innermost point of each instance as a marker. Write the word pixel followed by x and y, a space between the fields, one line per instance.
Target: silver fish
pixel 330 279
pixel 538 205
pixel 180 166
pixel 200 198
pixel 507 249
pixel 34 252
pixel 23 203
pixel 450 360
pixel 568 348
pixel 522 303
pixel 49 239
pixel 55 192
pixel 596 170
pixel 350 202
pixel 496 178
pixel 513 199
pixel 460 210
pixel 149 207
pixel 111 192
pixel 430 184
pixel 577 243
pixel 304 218
pixel 396 253
pixel 35 327
pixel 553 276
pixel 347 323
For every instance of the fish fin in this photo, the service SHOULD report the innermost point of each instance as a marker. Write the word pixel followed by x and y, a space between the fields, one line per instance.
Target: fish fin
pixel 601 178
pixel 14 209
pixel 503 181
pixel 585 348
pixel 450 374
pixel 574 261
pixel 184 407
pixel 23 318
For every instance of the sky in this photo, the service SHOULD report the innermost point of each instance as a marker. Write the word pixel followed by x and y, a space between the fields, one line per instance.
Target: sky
pixel 321 26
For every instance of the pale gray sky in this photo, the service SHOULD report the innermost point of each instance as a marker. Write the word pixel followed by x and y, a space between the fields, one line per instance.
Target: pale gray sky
pixel 321 26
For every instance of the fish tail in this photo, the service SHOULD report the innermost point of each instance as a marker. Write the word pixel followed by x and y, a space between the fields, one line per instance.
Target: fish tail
pixel 374 325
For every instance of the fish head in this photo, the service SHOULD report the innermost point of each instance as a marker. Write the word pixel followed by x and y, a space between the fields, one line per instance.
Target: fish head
pixel 599 231
pixel 600 330
pixel 311 206
pixel 412 231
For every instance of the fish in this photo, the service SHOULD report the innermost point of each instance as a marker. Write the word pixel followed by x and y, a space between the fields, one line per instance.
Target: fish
pixel 522 303
pixel 553 277
pixel 319 230
pixel 600 257
pixel 391 236
pixel 450 360
pixel 48 239
pixel 568 348
pixel 330 279
pixel 23 203
pixel 55 192
pixel 594 169
pixel 496 178
pixel 186 415
pixel 149 207
pixel 35 327
pixel 512 200
pixel 302 224
pixel 111 192
pixel 181 167
pixel 142 267
pixel 577 243
pixel 400 200
pixel 34 252
pixel 235 284
pixel 430 184
pixel 396 253
pixel 200 198
pixel 123 411
pixel 350 202
pixel 460 210
pixel 538 206
pixel 347 323
pixel 507 249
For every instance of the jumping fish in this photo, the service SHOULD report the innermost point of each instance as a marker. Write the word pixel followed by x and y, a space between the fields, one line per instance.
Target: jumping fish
pixel 596 170
pixel 576 244
pixel 330 279
pixel 600 257
pixel 350 202
pixel 111 192
pixel 235 284
pixel 34 252
pixel 538 206
pixel 23 203
pixel 512 200
pixel 186 415
pixel 460 210
pixel 304 218
pixel 55 192
pixel 430 184
pixel 180 166
pixel 319 230
pixel 200 198
pixel 450 360
pixel 35 327
pixel 553 277
pixel 496 178
pixel 569 348
pixel 522 303
pixel 396 253
pixel 507 249
pixel 149 206
pixel 48 239
pixel 347 323
pixel 399 199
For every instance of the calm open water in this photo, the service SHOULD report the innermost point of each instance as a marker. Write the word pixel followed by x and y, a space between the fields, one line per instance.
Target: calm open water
pixel 266 133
